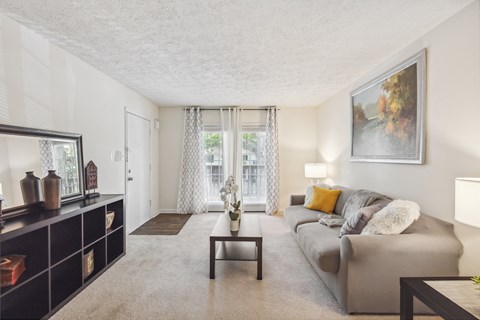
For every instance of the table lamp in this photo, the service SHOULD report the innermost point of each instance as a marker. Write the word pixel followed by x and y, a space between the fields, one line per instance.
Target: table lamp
pixel 467 201
pixel 315 171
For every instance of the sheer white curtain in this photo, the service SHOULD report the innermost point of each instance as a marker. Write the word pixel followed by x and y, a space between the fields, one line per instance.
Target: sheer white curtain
pixel 192 195
pixel 272 170
pixel 232 146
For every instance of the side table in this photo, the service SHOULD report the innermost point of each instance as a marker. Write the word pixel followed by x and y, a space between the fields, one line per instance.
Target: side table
pixel 449 297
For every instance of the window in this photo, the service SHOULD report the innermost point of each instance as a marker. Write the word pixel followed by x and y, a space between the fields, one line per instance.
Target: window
pixel 253 168
pixel 253 151
pixel 214 164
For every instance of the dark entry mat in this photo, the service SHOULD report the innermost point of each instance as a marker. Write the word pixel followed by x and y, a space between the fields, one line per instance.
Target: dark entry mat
pixel 168 224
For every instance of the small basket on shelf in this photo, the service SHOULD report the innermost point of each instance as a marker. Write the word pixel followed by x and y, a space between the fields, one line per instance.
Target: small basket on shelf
pixel 88 264
pixel 109 217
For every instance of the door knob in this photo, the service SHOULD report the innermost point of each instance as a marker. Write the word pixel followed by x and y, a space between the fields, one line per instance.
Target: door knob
pixel 130 179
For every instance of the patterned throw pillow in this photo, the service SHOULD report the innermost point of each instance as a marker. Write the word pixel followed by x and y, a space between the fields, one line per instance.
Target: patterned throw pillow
pixel 357 221
pixel 323 199
pixel 397 216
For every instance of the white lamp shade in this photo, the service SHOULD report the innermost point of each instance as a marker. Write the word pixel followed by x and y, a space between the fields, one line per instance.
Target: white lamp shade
pixel 467 201
pixel 315 170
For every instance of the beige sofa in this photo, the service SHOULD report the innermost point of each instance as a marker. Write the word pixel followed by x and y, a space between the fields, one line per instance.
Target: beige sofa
pixel 363 271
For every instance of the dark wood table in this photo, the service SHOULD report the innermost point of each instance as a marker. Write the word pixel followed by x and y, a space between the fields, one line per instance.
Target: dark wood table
pixel 439 303
pixel 242 245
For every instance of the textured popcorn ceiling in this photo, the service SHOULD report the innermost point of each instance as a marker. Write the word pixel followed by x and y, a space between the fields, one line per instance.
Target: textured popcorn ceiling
pixel 237 52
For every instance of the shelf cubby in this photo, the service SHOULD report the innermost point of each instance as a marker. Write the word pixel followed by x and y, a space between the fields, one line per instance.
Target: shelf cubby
pixel 70 229
pixel 34 246
pixel 30 301
pixel 66 278
pixel 118 208
pixel 98 257
pixel 115 245
pixel 93 225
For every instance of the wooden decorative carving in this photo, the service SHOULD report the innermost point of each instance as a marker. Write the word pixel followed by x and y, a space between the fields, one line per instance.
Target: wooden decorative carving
pixel 91 176
pixel 91 180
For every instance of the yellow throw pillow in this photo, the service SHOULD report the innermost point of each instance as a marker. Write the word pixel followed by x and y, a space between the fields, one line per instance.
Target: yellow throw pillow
pixel 324 199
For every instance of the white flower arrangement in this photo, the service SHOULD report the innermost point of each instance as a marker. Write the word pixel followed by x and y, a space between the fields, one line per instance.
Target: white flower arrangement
pixel 230 189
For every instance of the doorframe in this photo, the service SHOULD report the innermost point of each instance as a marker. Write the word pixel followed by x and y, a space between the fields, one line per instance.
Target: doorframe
pixel 125 148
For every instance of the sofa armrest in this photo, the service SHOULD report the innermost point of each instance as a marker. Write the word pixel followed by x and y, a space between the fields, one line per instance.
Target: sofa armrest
pixel 372 265
pixel 388 257
pixel 297 199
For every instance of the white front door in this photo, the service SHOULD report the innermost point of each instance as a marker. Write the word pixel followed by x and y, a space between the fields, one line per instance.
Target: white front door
pixel 138 171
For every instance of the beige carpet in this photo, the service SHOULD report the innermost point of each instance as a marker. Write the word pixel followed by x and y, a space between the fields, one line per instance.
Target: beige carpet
pixel 167 277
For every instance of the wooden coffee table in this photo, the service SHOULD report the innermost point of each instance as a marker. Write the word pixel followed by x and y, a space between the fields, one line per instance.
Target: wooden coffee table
pixel 242 245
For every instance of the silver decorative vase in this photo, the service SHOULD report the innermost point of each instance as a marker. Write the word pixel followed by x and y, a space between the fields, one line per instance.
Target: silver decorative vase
pixel 52 184
pixel 31 188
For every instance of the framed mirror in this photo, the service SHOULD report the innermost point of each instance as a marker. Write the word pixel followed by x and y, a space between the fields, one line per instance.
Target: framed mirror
pixel 27 149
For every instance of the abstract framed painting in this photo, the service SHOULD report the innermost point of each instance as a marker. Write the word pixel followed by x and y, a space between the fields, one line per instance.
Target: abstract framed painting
pixel 387 115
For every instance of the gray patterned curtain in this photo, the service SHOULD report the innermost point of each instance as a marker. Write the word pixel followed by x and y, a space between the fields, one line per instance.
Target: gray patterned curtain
pixel 46 155
pixel 272 162
pixel 192 195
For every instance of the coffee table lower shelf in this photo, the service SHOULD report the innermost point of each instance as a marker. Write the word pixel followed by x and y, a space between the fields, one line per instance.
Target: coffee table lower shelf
pixel 237 251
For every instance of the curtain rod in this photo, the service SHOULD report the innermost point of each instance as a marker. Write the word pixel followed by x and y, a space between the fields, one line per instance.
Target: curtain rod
pixel 243 109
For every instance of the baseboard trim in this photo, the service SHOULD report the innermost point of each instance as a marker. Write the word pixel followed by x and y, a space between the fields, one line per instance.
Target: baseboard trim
pixel 160 211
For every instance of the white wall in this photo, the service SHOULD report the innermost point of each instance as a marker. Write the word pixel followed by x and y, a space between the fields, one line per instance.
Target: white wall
pixel 297 139
pixel 297 143
pixel 45 87
pixel 170 142
pixel 452 129
pixel 19 150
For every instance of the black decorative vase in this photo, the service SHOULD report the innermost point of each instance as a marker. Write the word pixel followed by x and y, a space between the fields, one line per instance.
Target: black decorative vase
pixel 31 188
pixel 52 184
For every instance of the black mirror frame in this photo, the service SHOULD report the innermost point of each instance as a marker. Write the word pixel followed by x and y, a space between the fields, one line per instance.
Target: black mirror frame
pixel 41 133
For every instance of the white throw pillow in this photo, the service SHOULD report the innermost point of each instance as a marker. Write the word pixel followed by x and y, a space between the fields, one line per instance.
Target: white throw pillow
pixel 397 216
pixel 309 192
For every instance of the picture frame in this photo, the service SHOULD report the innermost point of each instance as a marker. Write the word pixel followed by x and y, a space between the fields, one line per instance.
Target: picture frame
pixel 387 115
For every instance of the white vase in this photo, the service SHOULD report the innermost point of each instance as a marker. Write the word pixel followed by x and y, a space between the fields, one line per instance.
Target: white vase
pixel 234 224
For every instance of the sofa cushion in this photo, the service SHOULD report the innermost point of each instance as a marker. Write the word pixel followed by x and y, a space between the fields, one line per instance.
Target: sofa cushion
pixel 321 244
pixel 323 199
pixel 297 215
pixel 342 199
pixel 397 216
pixel 359 199
pixel 357 221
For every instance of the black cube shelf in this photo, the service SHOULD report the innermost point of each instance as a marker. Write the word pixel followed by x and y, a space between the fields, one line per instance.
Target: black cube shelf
pixel 54 243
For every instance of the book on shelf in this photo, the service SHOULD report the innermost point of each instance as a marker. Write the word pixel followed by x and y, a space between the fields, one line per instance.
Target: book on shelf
pixel 11 268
